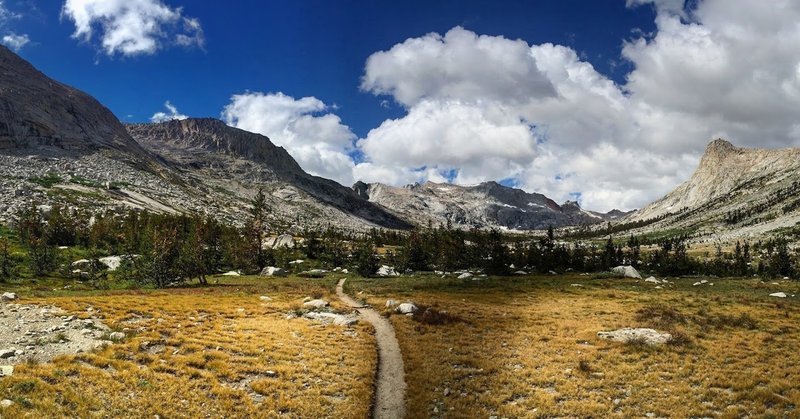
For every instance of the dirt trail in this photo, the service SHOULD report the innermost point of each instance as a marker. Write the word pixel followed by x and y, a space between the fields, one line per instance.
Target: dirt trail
pixel 391 385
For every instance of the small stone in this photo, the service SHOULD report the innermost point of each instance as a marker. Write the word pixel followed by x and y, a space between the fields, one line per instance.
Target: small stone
pixel 265 298
pixel 390 303
pixel 8 296
pixel 649 336
pixel 5 403
pixel 778 294
pixel 407 308
pixel 116 336
pixel 465 275
pixel 447 391
pixel 273 271
pixel 316 303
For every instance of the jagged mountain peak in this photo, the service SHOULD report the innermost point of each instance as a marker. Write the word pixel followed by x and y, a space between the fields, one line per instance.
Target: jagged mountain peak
pixel 718 151
pixel 731 179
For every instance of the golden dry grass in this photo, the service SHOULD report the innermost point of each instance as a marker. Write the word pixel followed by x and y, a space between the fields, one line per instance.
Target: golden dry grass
pixel 528 348
pixel 204 352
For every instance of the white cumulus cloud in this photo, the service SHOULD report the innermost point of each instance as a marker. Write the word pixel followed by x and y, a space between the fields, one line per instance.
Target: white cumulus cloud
pixel 132 27
pixel 460 65
pixel 11 39
pixel 16 42
pixel 486 107
pixel 171 114
pixel 316 138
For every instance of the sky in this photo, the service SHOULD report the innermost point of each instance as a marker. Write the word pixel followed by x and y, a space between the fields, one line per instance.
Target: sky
pixel 607 102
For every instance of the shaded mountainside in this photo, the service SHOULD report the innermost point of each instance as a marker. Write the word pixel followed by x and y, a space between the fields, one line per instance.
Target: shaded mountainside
pixel 37 112
pixel 488 204
pixel 59 145
pixel 209 151
pixel 735 192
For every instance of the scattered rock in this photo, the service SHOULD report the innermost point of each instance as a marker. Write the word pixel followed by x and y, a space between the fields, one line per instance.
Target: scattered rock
pixel 5 403
pixel 778 294
pixel 315 303
pixel 231 273
pixel 284 240
pixel 116 336
pixel 391 303
pixel 648 336
pixel 407 308
pixel 465 275
pixel 386 271
pixel 8 296
pixel 627 271
pixel 111 262
pixel 520 273
pixel 6 370
pixel 332 318
pixel 576 285
pixel 265 298
pixel 273 271
pixel 296 262
pixel 653 280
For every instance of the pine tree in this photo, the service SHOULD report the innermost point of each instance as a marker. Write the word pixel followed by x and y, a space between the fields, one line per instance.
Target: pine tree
pixel 365 260
pixel 414 255
pixel 257 229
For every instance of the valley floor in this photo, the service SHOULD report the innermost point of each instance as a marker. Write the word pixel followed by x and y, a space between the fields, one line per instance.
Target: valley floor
pixel 220 351
pixel 528 347
pixel 507 347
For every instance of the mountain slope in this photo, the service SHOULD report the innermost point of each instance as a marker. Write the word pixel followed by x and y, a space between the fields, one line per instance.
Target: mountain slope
pixel 734 192
pixel 37 112
pixel 59 145
pixel 209 151
pixel 488 204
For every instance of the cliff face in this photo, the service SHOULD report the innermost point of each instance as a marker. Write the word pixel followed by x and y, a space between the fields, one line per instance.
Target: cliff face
pixel 195 136
pixel 38 112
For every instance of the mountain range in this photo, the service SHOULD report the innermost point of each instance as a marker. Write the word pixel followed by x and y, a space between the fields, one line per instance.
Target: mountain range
pixel 60 145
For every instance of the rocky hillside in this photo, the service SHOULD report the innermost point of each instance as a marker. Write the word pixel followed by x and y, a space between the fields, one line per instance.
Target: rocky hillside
pixel 486 205
pixel 212 155
pixel 735 192
pixel 38 113
pixel 59 145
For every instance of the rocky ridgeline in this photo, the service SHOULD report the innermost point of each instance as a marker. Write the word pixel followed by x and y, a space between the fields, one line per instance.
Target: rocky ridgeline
pixel 488 204
pixel 214 157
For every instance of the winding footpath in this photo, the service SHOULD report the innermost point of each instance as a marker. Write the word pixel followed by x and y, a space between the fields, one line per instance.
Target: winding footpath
pixel 390 393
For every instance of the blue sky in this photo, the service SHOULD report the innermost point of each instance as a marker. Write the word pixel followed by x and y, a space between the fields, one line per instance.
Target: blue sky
pixel 306 48
pixel 610 101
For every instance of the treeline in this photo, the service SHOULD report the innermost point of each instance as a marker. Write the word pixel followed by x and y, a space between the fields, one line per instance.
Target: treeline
pixel 163 249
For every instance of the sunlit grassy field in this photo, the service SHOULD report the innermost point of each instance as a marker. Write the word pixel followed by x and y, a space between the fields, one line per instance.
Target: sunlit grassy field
pixel 202 352
pixel 527 347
